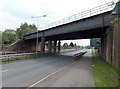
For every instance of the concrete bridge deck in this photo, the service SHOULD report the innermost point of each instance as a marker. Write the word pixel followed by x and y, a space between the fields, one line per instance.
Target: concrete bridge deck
pixel 88 24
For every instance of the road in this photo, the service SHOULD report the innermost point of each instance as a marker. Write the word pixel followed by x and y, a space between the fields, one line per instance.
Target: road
pixel 56 68
pixel 63 50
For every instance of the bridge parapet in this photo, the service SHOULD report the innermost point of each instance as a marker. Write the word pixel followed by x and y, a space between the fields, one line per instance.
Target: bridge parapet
pixel 91 12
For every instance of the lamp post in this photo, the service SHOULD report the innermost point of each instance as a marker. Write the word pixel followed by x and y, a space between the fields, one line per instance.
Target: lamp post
pixel 37 17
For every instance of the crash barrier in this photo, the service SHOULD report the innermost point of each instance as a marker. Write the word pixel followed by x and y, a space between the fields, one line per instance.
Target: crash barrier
pixel 78 55
pixel 12 57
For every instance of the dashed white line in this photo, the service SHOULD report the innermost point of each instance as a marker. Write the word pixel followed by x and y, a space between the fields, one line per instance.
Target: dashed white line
pixel 7 70
pixel 4 71
pixel 48 76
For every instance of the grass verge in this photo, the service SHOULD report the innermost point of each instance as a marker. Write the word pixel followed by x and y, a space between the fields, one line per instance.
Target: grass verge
pixel 20 58
pixel 105 75
pixel 71 50
pixel 95 52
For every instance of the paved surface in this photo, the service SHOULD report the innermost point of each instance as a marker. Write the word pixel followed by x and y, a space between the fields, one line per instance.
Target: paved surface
pixel 53 71
pixel 76 74
pixel 74 52
pixel 63 50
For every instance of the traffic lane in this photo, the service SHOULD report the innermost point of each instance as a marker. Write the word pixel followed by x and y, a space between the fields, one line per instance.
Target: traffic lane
pixel 23 68
pixel 18 64
pixel 63 50
pixel 30 71
pixel 29 62
pixel 78 74
pixel 74 52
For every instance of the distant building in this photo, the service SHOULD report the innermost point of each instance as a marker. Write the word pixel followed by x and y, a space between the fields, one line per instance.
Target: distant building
pixel 93 42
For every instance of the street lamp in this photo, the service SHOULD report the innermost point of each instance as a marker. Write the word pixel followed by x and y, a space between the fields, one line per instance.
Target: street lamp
pixel 37 17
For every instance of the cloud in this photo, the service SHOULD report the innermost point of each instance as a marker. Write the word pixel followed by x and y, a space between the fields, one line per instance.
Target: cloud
pixel 82 42
pixel 15 12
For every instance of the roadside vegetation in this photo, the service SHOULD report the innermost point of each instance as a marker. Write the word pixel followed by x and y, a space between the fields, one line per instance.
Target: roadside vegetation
pixel 95 52
pixel 9 36
pixel 105 75
pixel 6 60
pixel 71 50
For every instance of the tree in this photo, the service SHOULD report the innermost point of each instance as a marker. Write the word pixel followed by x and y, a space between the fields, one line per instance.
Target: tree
pixel 24 29
pixel 65 45
pixel 9 36
pixel 87 47
pixel 71 44
pixel 75 45
pixel 33 27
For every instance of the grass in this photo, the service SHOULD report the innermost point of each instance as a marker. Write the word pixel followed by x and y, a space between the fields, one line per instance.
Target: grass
pixel 105 75
pixel 95 52
pixel 20 58
pixel 71 50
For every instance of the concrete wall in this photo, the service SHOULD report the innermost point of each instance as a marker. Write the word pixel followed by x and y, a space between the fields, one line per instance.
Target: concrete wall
pixel 20 46
pixel 24 46
pixel 110 45
pixel 116 45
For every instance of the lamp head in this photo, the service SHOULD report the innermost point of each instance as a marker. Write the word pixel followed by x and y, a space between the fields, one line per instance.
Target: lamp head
pixel 44 15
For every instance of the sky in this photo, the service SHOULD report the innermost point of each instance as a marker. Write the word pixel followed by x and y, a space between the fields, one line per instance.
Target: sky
pixel 15 12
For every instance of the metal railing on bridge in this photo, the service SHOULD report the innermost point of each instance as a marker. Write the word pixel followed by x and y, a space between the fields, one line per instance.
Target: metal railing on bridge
pixel 85 14
pixel 91 12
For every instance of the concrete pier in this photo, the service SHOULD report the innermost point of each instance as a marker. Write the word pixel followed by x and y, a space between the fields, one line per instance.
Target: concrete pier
pixel 42 45
pixel 59 45
pixel 49 46
pixel 55 45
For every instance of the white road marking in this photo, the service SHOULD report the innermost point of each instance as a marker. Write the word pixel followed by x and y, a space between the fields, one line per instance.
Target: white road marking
pixel 48 76
pixel 4 71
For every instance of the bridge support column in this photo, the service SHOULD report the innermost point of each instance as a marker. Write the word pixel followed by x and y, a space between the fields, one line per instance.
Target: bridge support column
pixel 59 45
pixel 55 44
pixel 42 45
pixel 49 46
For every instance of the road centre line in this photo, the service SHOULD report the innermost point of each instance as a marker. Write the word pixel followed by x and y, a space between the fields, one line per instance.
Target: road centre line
pixel 49 75
pixel 4 71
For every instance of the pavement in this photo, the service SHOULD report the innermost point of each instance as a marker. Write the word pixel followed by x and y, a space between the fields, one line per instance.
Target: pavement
pixel 51 71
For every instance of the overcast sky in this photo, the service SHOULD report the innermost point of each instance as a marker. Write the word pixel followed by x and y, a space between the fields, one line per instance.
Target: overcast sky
pixel 15 12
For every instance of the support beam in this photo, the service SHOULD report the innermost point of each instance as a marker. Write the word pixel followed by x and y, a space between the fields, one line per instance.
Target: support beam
pixel 59 45
pixel 55 45
pixel 42 45
pixel 49 46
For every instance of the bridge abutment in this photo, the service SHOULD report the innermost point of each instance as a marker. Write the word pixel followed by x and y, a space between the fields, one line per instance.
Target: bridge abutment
pixel 110 45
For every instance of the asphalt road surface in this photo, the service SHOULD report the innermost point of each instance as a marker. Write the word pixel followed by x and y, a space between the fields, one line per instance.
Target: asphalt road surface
pixel 53 71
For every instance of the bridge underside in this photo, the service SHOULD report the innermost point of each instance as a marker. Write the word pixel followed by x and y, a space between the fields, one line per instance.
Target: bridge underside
pixel 85 34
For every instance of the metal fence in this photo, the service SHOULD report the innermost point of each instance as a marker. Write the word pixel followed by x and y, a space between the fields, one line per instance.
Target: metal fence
pixel 6 58
pixel 91 12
